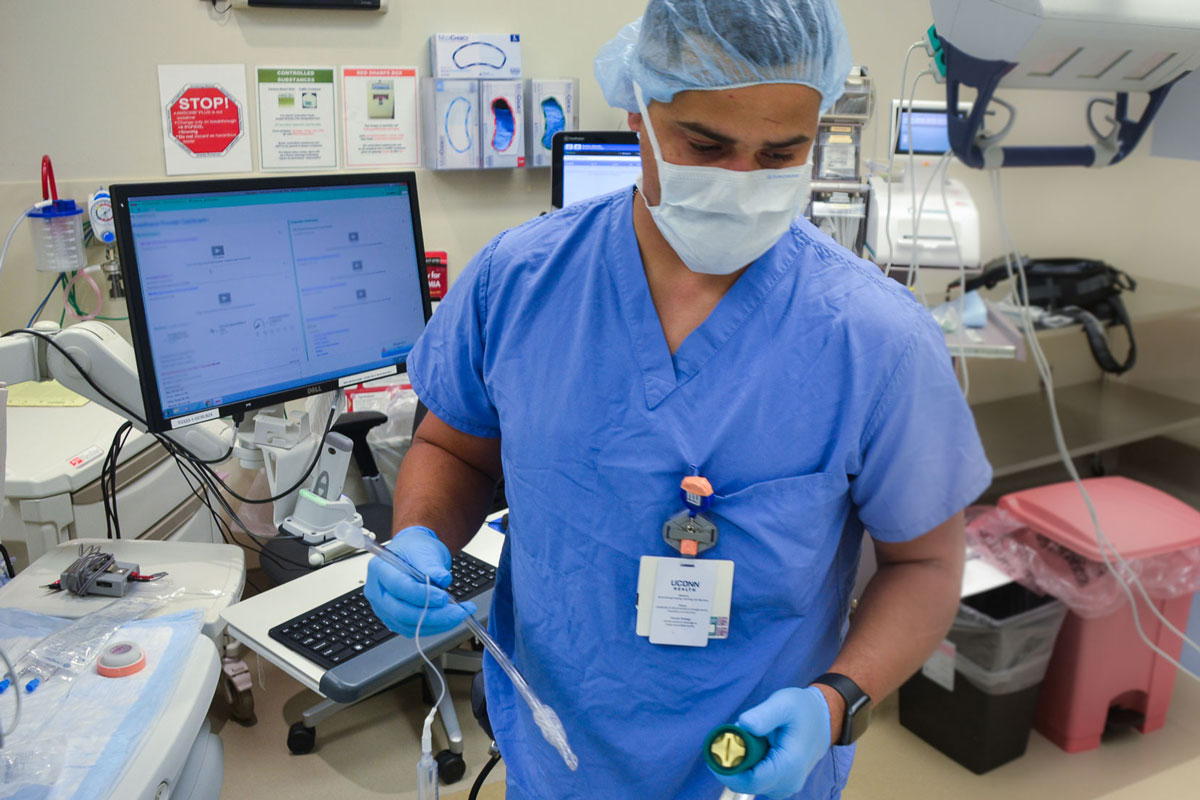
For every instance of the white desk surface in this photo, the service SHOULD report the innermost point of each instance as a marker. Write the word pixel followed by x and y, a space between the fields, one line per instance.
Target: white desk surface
pixel 251 620
pixel 210 576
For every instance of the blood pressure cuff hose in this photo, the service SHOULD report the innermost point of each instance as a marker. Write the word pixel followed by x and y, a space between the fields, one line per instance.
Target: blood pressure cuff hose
pixel 1098 339
pixel 1088 291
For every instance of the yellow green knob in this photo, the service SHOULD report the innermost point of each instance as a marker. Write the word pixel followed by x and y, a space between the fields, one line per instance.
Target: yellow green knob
pixel 729 749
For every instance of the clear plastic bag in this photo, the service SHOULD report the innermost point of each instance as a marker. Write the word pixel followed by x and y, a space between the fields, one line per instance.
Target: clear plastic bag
pixel 1017 626
pixel 391 440
pixel 1086 586
pixel 69 650
pixel 31 771
pixel 1004 681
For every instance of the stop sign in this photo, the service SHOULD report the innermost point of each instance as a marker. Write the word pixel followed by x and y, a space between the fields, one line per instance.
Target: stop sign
pixel 205 120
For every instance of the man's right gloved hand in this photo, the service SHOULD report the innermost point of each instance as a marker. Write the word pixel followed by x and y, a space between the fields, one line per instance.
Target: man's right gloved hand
pixel 398 599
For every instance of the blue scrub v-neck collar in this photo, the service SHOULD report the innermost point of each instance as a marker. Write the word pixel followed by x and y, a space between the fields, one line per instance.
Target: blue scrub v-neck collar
pixel 662 373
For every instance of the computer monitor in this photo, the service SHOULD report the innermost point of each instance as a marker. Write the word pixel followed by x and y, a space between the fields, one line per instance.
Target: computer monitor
pixel 245 293
pixel 926 124
pixel 589 163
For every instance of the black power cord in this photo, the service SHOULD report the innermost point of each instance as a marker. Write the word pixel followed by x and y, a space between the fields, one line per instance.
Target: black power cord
pixel 8 565
pixel 202 489
pixel 108 480
pixel 209 479
pixel 483 773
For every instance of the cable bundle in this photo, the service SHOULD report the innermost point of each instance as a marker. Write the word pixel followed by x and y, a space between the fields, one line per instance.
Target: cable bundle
pixel 79 578
pixel 197 472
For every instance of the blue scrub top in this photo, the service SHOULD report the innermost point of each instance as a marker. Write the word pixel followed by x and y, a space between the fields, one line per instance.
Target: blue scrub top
pixel 818 398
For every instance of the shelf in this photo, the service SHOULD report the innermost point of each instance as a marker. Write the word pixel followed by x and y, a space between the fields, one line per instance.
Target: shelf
pixel 1152 301
pixel 1096 416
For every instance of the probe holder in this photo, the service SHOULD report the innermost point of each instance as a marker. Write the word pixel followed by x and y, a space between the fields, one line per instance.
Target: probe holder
pixel 314 517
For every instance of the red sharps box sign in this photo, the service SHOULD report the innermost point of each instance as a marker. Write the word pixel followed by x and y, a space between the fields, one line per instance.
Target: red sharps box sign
pixel 437 266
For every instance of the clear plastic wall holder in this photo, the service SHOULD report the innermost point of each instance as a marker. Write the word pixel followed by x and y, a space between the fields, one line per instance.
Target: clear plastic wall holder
pixel 57 229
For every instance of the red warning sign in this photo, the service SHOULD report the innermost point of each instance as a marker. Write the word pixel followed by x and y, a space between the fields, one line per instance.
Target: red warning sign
pixel 206 120
pixel 438 270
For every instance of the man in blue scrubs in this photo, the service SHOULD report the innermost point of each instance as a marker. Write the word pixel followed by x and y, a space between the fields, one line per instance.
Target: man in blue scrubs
pixel 692 327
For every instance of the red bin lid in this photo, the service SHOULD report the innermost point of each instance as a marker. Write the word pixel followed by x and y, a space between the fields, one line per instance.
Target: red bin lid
pixel 1139 520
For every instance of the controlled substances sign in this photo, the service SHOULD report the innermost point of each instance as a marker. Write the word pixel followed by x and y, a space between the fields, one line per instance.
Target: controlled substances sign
pixel 204 118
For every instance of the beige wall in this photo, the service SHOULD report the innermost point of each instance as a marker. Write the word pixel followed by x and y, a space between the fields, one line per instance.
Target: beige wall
pixel 81 84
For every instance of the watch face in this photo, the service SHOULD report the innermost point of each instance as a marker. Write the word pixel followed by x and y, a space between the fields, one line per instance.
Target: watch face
pixel 858 717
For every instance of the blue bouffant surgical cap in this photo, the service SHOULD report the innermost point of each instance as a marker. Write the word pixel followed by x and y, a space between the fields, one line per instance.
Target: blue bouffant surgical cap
pixel 721 44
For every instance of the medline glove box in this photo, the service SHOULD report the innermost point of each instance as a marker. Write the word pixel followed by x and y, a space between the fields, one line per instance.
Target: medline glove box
pixel 502 106
pixel 475 55
pixel 553 106
pixel 451 124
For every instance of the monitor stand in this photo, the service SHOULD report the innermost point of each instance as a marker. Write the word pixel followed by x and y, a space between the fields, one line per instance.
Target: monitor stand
pixel 283 445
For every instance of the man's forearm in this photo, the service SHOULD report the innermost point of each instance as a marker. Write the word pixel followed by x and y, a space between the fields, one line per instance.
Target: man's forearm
pixel 442 492
pixel 904 613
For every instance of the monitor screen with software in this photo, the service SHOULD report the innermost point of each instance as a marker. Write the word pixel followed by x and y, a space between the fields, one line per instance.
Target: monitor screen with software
pixel 244 293
pixel 924 125
pixel 590 163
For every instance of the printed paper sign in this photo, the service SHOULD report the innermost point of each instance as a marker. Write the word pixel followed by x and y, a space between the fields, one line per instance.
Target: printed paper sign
pixel 205 128
pixel 296 118
pixel 379 112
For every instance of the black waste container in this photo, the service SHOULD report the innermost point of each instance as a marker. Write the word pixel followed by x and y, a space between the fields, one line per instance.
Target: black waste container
pixel 1004 638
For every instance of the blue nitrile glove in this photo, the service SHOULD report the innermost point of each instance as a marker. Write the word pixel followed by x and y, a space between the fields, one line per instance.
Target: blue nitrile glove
pixel 796 723
pixel 398 599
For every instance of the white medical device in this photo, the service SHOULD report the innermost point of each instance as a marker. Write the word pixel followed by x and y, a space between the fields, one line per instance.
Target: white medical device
pixel 100 214
pixel 894 233
pixel 1120 46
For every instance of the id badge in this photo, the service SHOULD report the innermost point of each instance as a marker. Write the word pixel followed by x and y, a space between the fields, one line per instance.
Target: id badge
pixel 684 601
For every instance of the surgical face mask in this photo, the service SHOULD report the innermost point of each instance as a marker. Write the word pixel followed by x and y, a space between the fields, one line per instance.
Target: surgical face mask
pixel 719 220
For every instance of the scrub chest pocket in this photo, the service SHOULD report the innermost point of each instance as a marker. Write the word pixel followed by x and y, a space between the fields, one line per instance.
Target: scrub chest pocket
pixel 783 534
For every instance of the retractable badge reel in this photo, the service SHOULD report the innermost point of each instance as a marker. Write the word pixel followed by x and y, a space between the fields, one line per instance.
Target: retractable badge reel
pixel 689 531
pixel 686 601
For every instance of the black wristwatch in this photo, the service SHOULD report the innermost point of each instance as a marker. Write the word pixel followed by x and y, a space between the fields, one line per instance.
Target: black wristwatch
pixel 858 706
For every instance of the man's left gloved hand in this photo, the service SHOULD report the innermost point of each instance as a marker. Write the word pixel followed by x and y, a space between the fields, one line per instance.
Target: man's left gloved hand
pixel 796 723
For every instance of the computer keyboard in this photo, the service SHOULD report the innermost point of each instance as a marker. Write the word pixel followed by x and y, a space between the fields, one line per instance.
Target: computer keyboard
pixel 345 627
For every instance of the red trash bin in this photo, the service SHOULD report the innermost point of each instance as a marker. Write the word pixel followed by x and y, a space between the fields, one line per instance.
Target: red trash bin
pixel 1101 663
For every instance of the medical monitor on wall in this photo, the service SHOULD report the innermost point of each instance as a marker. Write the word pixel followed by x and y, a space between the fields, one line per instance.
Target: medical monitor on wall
pixel 925 125
pixel 248 292
pixel 590 163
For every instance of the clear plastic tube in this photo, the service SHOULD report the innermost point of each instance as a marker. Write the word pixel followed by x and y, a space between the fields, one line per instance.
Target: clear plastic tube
pixel 729 794
pixel 547 721
pixel 427 778
pixel 427 775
